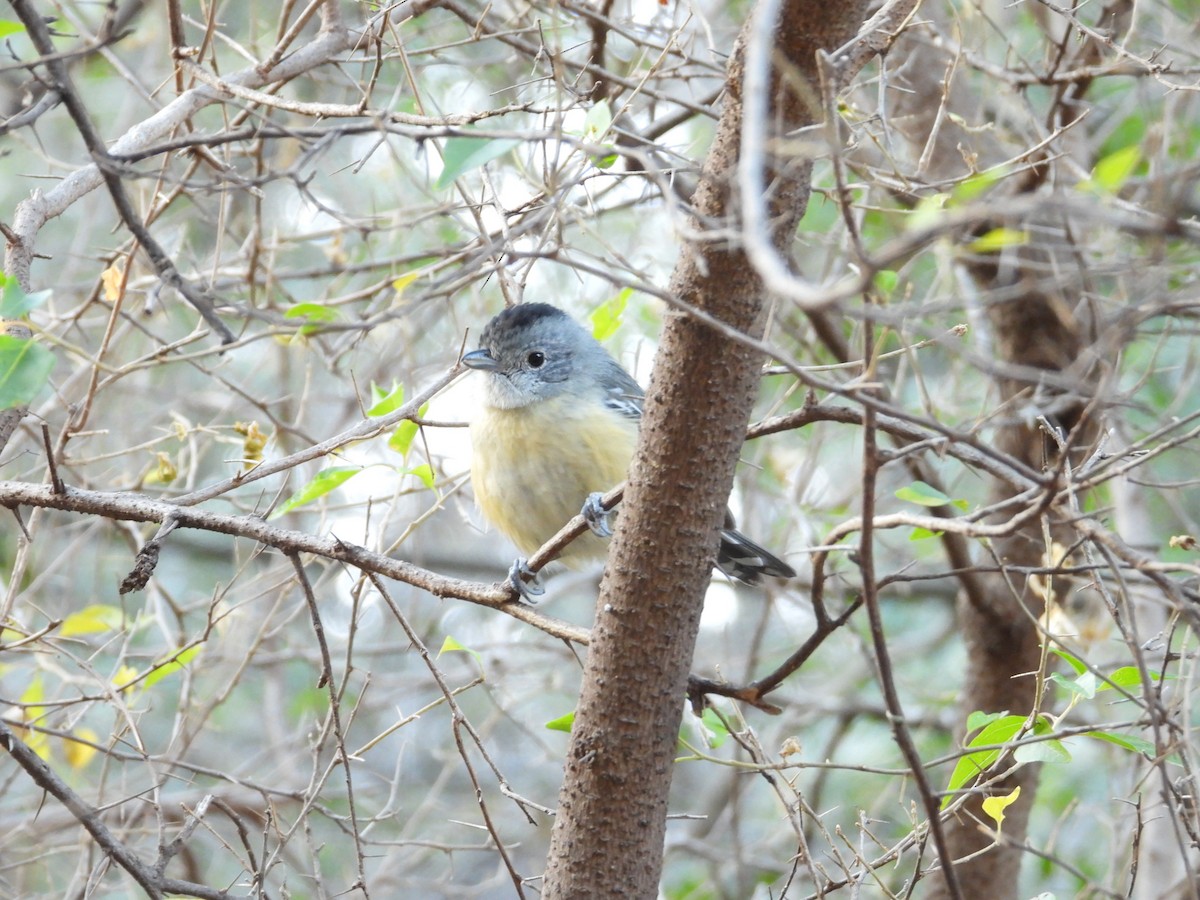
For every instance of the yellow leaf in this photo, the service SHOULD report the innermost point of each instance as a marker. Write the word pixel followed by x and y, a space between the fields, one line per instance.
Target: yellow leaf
pixel 164 471
pixel 995 806
pixel 297 339
pixel 403 281
pixel 92 619
pixel 111 278
pixel 33 695
pixel 997 239
pixel 80 754
pixel 35 740
pixel 175 663
pixel 123 677
pixel 31 712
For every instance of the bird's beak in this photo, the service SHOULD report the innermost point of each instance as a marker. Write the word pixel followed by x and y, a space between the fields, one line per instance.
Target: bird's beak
pixel 480 359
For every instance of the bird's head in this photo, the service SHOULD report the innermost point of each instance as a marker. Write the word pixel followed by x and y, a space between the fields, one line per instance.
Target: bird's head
pixel 532 352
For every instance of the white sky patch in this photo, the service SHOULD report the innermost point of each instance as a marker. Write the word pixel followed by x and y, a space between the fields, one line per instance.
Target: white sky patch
pixel 721 604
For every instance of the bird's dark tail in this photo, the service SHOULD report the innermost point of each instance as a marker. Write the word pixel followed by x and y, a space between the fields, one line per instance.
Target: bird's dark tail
pixel 742 559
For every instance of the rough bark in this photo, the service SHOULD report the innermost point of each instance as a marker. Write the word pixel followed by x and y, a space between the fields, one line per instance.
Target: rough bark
pixel 608 835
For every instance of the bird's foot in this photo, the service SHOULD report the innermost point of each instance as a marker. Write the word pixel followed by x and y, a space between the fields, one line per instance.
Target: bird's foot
pixel 524 581
pixel 596 515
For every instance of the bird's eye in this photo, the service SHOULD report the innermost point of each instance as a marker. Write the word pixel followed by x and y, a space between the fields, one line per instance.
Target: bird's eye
pixel 535 359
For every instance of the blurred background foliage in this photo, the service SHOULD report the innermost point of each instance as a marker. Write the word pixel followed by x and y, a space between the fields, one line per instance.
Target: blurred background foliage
pixel 360 250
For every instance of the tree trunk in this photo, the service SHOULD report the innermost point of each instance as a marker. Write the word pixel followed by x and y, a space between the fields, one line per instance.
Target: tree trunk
pixel 1043 344
pixel 1045 367
pixel 608 835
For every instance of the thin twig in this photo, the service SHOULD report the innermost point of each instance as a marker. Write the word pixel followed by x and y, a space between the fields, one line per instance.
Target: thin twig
pixel 339 734
pixel 39 34
pixel 55 479
pixel 459 723
pixel 155 885
pixel 887 680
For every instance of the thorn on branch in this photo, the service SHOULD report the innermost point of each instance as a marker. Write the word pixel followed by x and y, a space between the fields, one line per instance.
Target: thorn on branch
pixel 55 480
pixel 16 511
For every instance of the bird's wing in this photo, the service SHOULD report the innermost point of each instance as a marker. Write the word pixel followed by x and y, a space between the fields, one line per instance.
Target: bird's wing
pixel 622 394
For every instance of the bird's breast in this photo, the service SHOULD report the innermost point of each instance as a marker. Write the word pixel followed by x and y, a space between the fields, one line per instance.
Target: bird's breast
pixel 533 467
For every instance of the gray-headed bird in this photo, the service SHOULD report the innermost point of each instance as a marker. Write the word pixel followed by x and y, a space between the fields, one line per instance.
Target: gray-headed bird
pixel 557 429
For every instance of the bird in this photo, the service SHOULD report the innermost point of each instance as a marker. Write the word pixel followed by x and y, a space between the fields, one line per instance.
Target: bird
pixel 556 429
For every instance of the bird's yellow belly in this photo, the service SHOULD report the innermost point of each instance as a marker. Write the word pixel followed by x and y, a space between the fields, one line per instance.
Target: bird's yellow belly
pixel 533 467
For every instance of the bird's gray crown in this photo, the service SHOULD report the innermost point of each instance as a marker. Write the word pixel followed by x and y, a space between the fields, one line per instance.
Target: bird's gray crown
pixel 540 353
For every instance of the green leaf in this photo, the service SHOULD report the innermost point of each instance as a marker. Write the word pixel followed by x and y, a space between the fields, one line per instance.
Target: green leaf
pixel 1052 751
pixel 1111 173
pixel 923 495
pixel 1073 661
pixel 311 312
pixel 997 731
pixel 463 154
pixel 597 121
pixel 25 368
pixel 595 130
pixel 425 473
pixel 9 27
pixel 402 438
pixel 606 318
pixel 562 723
pixel 177 663
pixel 1083 686
pixel 1088 683
pixel 923 534
pixel 313 315
pixel 325 481
pixel 979 718
pixel 716 733
pixel 385 401
pixel 997 239
pixel 450 645
pixel 1126 677
pixel 606 161
pixel 885 281
pixel 1136 744
pixel 14 302
pixel 977 185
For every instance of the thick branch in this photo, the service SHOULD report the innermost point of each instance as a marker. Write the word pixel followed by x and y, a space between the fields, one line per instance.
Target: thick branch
pixel 137 508
pixel 612 807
